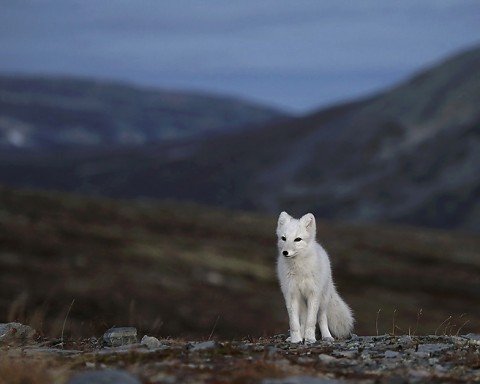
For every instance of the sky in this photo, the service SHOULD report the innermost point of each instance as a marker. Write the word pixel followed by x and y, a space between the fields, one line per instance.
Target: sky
pixel 297 55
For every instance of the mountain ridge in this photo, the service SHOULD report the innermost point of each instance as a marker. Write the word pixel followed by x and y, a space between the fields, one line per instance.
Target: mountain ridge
pixel 56 112
pixel 409 155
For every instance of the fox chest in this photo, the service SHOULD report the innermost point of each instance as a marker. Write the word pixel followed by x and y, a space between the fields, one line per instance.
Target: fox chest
pixel 301 281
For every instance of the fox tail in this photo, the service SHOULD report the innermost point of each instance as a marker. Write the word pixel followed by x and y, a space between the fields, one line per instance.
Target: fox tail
pixel 339 317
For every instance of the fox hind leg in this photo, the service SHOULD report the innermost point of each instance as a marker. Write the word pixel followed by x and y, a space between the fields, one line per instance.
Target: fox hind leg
pixel 323 324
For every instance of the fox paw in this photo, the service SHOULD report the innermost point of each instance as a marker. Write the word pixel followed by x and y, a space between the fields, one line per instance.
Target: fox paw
pixel 295 339
pixel 328 338
pixel 310 336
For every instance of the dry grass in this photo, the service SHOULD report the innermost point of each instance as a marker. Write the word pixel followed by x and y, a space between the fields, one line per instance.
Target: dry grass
pixel 174 269
pixel 30 371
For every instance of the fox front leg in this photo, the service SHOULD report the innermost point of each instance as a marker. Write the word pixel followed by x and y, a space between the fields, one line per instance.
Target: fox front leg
pixel 293 308
pixel 313 305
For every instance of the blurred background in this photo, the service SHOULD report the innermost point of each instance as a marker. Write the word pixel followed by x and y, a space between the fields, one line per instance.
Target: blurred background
pixel 146 149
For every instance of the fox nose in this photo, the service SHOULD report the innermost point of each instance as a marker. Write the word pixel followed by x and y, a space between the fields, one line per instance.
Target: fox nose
pixel 285 253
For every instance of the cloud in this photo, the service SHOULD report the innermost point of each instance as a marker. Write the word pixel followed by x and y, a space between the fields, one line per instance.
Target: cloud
pixel 173 42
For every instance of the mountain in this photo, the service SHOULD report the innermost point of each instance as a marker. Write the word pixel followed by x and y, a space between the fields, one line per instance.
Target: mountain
pixel 408 155
pixel 53 112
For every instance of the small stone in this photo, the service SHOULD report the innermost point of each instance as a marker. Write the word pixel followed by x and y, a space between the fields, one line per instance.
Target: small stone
pixel 473 338
pixel 164 378
pixel 150 342
pixel 280 337
pixel 326 359
pixel 107 376
pixel 16 333
pixel 406 339
pixel 366 356
pixel 433 361
pixel 272 351
pixel 201 346
pixel 116 337
pixel 391 354
pixel 421 355
pixel 354 336
pixel 347 354
pixel 433 348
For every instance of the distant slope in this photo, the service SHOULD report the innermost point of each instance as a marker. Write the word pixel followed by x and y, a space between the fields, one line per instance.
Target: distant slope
pixel 188 271
pixel 52 112
pixel 411 154
pixel 408 155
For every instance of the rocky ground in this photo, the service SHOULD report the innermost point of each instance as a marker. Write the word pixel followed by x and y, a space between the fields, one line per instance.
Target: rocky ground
pixel 118 357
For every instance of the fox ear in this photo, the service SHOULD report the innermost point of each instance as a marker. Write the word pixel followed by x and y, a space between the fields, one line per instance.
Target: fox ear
pixel 283 218
pixel 308 221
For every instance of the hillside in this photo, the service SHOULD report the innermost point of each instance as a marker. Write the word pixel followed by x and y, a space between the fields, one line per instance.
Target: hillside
pixel 188 271
pixel 409 155
pixel 53 112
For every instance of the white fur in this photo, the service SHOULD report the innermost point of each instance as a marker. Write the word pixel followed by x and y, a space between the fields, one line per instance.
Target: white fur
pixel 306 281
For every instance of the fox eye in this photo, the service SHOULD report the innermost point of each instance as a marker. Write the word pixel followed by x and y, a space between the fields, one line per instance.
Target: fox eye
pixel 283 238
pixel 298 239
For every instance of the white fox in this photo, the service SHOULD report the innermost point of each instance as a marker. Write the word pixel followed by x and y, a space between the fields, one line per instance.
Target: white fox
pixel 306 282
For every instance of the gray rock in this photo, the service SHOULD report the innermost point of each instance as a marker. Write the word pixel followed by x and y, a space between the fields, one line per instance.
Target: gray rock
pixel 16 333
pixel 38 351
pixel 116 337
pixel 421 355
pixel 405 339
pixel 201 346
pixel 326 359
pixel 107 376
pixel 150 342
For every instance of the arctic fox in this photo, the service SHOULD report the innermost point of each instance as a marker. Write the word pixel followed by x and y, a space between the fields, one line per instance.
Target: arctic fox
pixel 306 281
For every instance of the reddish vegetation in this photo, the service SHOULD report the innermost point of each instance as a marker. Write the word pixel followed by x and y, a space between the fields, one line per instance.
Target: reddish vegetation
pixel 184 270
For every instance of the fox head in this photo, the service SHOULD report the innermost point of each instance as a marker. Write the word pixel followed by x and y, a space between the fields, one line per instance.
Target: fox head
pixel 295 235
